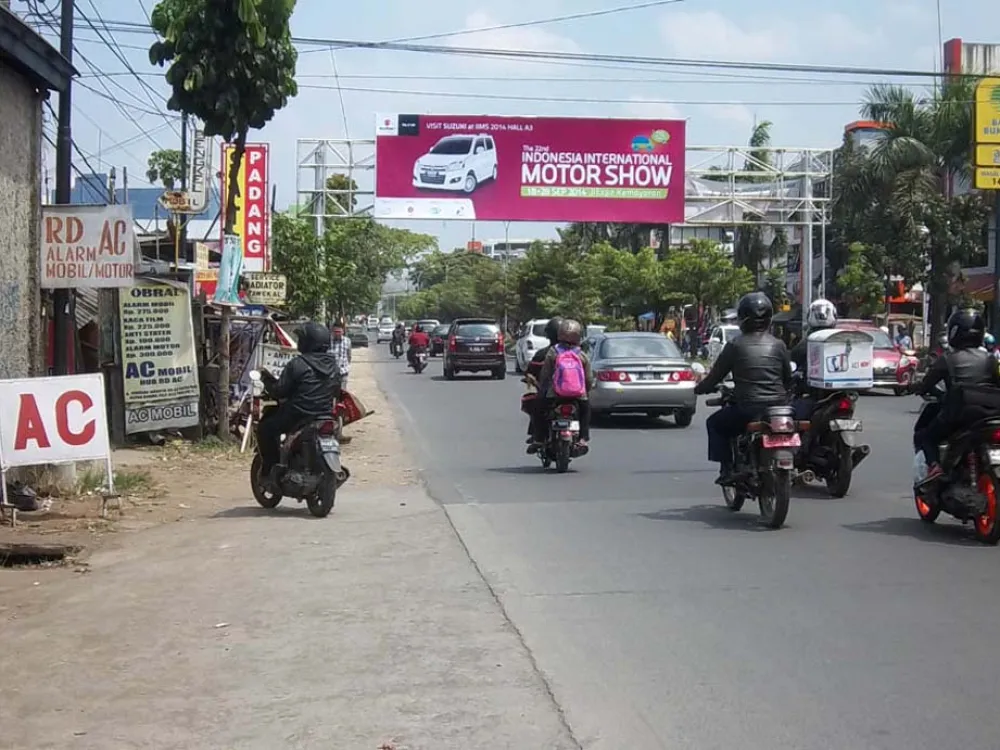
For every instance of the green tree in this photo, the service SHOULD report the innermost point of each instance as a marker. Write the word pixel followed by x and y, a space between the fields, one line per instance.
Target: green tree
pixel 749 248
pixel 231 64
pixel 296 252
pixel 703 274
pixel 164 166
pixel 862 282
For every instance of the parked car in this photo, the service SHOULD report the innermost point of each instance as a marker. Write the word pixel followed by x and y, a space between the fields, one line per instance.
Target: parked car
pixel 640 372
pixel 358 336
pixel 894 369
pixel 427 325
pixel 384 332
pixel 475 345
pixel 439 337
pixel 372 322
pixel 532 339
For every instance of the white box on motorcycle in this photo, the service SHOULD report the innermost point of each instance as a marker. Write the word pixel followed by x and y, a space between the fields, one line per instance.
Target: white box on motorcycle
pixel 840 360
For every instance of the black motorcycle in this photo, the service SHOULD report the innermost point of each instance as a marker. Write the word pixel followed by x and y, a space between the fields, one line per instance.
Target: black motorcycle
pixel 309 468
pixel 765 461
pixel 968 488
pixel 831 448
pixel 396 348
pixel 418 360
pixel 562 442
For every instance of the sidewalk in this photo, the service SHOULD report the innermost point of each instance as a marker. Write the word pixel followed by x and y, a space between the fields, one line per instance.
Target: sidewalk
pixel 262 630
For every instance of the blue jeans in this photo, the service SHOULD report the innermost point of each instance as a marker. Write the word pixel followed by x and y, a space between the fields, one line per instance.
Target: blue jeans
pixel 723 426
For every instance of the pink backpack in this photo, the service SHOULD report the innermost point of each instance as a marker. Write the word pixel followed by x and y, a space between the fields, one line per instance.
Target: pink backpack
pixel 569 379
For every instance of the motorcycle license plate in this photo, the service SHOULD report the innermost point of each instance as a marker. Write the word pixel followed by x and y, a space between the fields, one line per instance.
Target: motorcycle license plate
pixel 782 441
pixel 845 425
pixel 994 456
pixel 564 424
pixel 329 444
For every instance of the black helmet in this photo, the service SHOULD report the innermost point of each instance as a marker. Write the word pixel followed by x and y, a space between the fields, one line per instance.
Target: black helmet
pixel 552 330
pixel 966 329
pixel 313 337
pixel 754 312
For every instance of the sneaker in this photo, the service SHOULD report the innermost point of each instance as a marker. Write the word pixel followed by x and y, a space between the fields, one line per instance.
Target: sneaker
pixel 726 477
pixel 934 472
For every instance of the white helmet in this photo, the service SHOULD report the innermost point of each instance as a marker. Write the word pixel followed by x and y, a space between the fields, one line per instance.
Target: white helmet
pixel 822 314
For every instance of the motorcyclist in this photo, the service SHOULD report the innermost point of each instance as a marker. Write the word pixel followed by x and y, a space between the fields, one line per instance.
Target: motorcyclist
pixel 531 402
pixel 306 390
pixel 569 336
pixel 418 340
pixel 762 376
pixel 398 336
pixel 963 365
pixel 822 314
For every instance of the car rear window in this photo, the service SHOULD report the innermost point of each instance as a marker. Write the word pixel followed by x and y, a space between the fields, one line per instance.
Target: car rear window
pixel 639 347
pixel 538 330
pixel 477 329
pixel 441 330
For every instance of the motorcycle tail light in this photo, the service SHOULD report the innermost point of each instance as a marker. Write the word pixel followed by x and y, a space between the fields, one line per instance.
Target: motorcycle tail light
pixel 782 424
pixel 566 410
pixel 326 428
pixel 995 437
pixel 845 406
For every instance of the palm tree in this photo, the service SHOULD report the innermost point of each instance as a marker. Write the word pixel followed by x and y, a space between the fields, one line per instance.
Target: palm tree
pixel 749 248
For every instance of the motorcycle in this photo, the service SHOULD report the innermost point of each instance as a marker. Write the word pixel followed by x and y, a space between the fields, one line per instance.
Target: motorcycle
pixel 562 444
pixel 309 468
pixel 765 461
pixel 419 360
pixel 396 348
pixel 831 448
pixel 969 487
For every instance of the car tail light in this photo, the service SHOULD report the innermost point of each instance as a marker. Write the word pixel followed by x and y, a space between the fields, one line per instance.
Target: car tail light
pixel 682 376
pixel 614 376
pixel 995 437
pixel 845 406
pixel 452 344
pixel 782 424
pixel 499 342
pixel 566 410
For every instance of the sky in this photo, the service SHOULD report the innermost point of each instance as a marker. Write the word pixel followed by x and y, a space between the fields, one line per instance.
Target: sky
pixel 720 106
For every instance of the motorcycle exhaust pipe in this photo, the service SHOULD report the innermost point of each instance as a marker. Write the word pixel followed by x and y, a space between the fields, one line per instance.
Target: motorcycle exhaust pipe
pixel 806 476
pixel 860 453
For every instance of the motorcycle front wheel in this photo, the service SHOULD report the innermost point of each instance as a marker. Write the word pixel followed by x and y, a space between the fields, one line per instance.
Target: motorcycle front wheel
pixel 264 498
pixel 775 495
pixel 562 456
pixel 734 498
pixel 322 502
pixel 839 484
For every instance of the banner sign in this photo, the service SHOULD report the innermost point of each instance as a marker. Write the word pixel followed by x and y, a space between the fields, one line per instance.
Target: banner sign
pixel 158 358
pixel 87 247
pixel 273 358
pixel 227 289
pixel 200 163
pixel 53 420
pixel 491 168
pixel 252 220
pixel 266 288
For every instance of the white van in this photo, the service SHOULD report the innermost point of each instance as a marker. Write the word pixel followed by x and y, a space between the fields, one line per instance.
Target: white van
pixel 457 163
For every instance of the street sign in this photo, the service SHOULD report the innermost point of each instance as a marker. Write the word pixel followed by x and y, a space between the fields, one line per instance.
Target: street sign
pixel 988 156
pixel 176 202
pixel 200 164
pixel 266 288
pixel 987 178
pixel 987 111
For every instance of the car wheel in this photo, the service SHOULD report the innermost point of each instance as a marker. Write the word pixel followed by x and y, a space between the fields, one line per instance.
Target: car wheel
pixel 470 183
pixel 449 373
pixel 494 172
pixel 500 374
pixel 683 418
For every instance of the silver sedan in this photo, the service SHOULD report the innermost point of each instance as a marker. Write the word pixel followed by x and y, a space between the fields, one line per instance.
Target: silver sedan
pixel 641 373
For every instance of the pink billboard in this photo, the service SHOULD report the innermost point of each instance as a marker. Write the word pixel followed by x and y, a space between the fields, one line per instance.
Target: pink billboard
pixel 557 169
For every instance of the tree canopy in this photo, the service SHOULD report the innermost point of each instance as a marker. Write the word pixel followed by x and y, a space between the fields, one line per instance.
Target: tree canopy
pixel 165 166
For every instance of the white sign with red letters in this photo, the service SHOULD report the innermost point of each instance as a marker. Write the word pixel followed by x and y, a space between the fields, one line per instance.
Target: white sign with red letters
pixel 53 420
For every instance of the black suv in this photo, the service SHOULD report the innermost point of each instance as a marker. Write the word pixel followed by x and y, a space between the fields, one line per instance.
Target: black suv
pixel 475 345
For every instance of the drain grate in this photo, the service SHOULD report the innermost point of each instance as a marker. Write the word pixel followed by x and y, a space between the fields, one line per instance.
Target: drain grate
pixel 14 555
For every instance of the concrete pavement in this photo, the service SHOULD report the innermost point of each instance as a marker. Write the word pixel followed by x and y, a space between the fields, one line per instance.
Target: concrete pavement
pixel 660 619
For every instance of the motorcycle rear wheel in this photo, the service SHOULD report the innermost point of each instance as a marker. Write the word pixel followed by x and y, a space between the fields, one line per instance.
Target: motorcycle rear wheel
pixel 988 524
pixel 322 502
pixel 264 498
pixel 775 495
pixel 562 457
pixel 840 483
pixel 734 498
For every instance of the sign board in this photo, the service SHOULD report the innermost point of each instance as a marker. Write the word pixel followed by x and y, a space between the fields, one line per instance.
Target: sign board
pixel 87 247
pixel 840 359
pixel 159 364
pixel 988 156
pixel 227 289
pixel 252 220
pixel 199 165
pixel 266 288
pixel 274 357
pixel 201 256
pixel 492 168
pixel 53 420
pixel 987 178
pixel 987 112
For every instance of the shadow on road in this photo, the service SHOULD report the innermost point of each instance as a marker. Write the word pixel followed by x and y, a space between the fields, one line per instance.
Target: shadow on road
pixel 255 511
pixel 464 379
pixel 716 516
pixel 914 528
pixel 633 422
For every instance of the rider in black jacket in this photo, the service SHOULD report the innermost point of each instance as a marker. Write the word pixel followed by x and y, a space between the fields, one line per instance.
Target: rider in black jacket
pixel 762 376
pixel 306 390
pixel 966 364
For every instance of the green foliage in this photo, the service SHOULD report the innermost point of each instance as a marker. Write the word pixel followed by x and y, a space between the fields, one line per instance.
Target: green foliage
pixel 164 166
pixel 862 282
pixel 702 273
pixel 231 65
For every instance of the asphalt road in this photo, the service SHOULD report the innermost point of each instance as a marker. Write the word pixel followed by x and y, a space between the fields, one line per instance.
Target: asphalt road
pixel 660 619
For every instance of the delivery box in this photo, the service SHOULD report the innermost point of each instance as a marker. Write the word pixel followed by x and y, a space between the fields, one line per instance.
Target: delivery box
pixel 840 360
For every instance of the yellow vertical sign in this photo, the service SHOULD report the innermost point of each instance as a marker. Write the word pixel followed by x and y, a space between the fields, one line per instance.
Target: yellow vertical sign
pixel 241 181
pixel 987 134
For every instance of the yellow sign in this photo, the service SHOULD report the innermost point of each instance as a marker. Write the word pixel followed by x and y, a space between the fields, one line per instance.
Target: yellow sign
pixel 988 111
pixel 988 156
pixel 987 178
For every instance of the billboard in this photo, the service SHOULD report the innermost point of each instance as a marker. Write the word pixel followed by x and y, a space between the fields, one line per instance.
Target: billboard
pixel 491 168
pixel 252 222
pixel 87 247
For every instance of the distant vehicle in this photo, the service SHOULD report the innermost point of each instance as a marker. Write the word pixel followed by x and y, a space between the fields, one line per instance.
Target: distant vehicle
pixel 532 339
pixel 384 332
pixel 386 320
pixel 595 330
pixel 894 369
pixel 475 345
pixel 428 324
pixel 439 337
pixel 372 322
pixel 458 163
pixel 719 337
pixel 640 372
pixel 358 336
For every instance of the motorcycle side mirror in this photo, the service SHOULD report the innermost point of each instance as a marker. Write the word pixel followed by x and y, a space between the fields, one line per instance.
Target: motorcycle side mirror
pixel 698 368
pixel 795 367
pixel 255 376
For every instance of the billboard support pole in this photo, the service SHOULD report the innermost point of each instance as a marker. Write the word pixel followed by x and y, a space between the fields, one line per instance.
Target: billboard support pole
pixel 506 261
pixel 320 208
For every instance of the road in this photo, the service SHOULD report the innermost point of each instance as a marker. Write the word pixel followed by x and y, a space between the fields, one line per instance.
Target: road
pixel 659 619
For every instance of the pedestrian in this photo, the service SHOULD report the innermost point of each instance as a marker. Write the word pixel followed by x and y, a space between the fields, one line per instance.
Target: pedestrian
pixel 340 348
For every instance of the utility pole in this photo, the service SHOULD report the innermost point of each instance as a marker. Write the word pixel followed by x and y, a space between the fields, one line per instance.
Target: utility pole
pixel 64 165
pixel 182 218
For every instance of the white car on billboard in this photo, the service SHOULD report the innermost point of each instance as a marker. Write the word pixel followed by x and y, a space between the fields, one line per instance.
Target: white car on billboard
pixel 458 163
